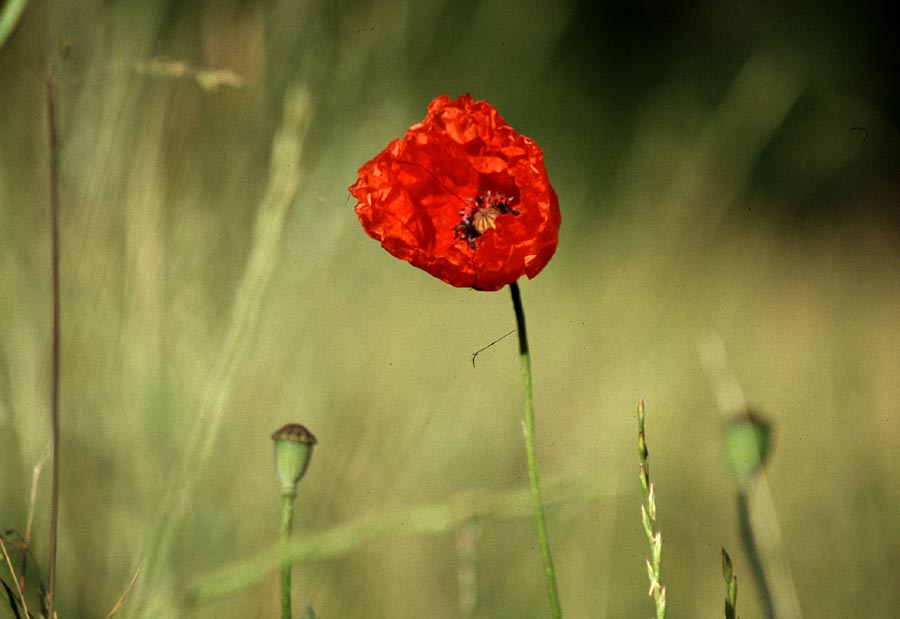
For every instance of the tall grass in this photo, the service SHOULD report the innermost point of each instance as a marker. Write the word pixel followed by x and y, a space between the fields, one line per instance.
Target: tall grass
pixel 689 202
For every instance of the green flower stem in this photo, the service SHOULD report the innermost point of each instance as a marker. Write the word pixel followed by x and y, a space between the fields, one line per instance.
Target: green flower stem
pixel 756 567
pixel 531 453
pixel 287 520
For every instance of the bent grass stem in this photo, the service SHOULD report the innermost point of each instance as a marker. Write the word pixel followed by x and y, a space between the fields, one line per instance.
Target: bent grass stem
pixel 531 455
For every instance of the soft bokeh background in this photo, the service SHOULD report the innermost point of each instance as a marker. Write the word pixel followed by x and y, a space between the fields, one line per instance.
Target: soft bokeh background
pixel 729 187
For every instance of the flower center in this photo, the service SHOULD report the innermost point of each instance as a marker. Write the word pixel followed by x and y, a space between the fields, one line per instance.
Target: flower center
pixel 476 220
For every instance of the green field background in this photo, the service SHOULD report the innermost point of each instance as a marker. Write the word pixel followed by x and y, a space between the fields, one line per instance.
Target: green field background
pixel 727 176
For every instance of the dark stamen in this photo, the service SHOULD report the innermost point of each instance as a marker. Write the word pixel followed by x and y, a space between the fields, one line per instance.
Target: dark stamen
pixel 478 219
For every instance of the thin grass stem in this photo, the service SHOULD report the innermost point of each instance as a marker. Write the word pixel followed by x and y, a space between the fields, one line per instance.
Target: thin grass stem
pixel 54 354
pixel 124 595
pixel 32 500
pixel 12 572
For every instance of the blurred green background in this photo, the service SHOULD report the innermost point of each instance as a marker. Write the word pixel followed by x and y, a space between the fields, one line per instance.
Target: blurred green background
pixel 728 180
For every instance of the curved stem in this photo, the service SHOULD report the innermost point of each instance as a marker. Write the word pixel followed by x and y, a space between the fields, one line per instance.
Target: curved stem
pixel 537 502
pixel 287 519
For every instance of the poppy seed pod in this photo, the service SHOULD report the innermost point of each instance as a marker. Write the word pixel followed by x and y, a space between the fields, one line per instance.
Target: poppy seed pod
pixel 747 441
pixel 293 451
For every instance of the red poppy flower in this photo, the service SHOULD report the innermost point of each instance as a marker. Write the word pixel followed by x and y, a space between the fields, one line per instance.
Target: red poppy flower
pixel 463 197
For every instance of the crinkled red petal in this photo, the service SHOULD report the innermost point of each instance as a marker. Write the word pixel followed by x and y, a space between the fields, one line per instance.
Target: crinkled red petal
pixel 411 194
